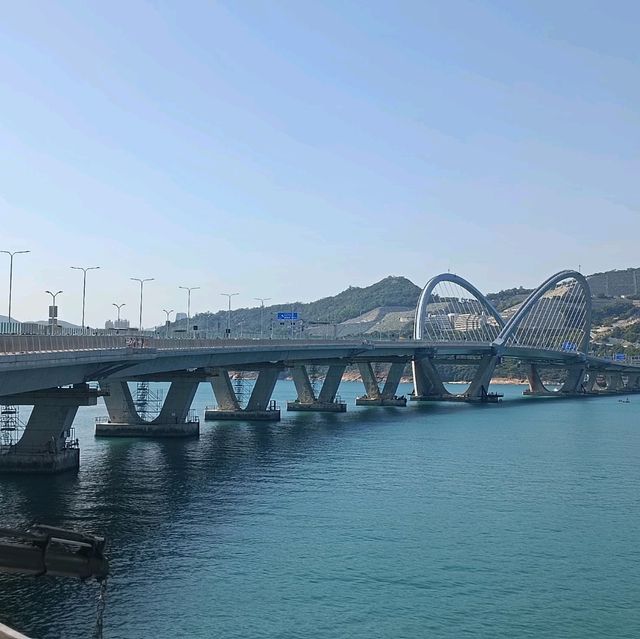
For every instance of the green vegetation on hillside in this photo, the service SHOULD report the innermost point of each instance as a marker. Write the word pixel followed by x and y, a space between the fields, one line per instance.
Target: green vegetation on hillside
pixel 354 301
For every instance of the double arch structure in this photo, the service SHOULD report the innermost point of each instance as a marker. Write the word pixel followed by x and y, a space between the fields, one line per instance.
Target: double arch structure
pixel 553 323
pixel 553 317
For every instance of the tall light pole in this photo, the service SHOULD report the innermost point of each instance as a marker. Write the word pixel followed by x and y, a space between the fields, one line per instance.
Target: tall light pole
pixel 142 281
pixel 229 295
pixel 118 306
pixel 168 321
pixel 84 270
pixel 189 289
pixel 53 311
pixel 11 254
pixel 262 300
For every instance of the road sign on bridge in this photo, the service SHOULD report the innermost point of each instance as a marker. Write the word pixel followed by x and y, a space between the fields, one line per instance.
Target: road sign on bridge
pixel 288 316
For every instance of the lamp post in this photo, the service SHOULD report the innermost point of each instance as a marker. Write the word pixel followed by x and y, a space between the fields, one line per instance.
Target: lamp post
pixel 11 254
pixel 262 300
pixel 84 270
pixel 142 281
pixel 229 295
pixel 189 289
pixel 53 312
pixel 118 306
pixel 168 321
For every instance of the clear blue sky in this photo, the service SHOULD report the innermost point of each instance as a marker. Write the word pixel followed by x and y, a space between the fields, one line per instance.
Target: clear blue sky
pixel 289 149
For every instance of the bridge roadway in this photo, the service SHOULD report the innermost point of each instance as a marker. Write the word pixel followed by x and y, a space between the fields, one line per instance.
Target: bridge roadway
pixel 30 363
pixel 51 373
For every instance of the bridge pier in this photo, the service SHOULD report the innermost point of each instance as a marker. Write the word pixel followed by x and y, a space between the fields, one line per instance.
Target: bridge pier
pixel 174 419
pixel 427 384
pixel 326 400
pixel 48 444
pixel 260 407
pixel 574 384
pixel 373 395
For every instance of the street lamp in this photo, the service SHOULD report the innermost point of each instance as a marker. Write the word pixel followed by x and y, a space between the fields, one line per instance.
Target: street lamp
pixel 229 295
pixel 262 300
pixel 84 270
pixel 118 306
pixel 11 254
pixel 189 289
pixel 168 321
pixel 53 311
pixel 142 281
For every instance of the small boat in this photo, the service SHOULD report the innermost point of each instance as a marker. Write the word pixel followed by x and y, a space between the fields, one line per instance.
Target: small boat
pixel 626 400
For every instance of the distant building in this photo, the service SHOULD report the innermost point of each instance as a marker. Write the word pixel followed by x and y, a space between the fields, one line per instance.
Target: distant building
pixel 118 325
pixel 181 316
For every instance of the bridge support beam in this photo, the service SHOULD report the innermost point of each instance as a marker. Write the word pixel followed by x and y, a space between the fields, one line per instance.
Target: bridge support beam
pixel 574 384
pixel 48 444
pixel 479 387
pixel 174 419
pixel 326 400
pixel 427 384
pixel 260 406
pixel 373 396
pixel 615 384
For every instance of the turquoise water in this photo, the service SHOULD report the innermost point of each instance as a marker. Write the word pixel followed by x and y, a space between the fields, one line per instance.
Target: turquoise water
pixel 519 520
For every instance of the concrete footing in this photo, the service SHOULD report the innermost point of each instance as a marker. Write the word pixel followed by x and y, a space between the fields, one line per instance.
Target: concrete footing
pixel 149 429
pixel 381 401
pixel 242 415
pixel 45 463
pixel 490 398
pixel 317 407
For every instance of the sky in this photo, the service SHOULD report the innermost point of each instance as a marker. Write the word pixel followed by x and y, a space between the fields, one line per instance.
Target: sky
pixel 291 149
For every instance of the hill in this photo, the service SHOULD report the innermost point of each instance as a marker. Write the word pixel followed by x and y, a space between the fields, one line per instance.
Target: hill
pixel 390 294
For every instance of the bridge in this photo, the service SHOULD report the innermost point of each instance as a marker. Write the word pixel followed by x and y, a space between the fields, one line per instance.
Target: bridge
pixel 455 325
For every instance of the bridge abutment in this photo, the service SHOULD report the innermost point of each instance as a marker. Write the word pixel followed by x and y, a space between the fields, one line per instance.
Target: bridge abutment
pixel 174 419
pixel 48 444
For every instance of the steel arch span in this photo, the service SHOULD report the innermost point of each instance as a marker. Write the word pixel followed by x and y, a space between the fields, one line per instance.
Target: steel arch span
pixel 555 317
pixel 451 309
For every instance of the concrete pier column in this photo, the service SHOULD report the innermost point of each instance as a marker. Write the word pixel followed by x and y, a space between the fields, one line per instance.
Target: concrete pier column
pixel 390 388
pixel 479 387
pixel 177 403
pixel 427 384
pixel 173 420
pixel 119 401
pixel 262 390
pixel 633 382
pixel 369 380
pixel 259 407
pixel 331 383
pixel 325 402
pixel 374 396
pixel 536 387
pixel 614 382
pixel 47 444
pixel 574 383
pixel 223 390
pixel 303 384
pixel 590 383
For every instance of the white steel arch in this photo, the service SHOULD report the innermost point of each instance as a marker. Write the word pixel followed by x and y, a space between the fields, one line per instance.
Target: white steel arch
pixel 556 316
pixel 476 317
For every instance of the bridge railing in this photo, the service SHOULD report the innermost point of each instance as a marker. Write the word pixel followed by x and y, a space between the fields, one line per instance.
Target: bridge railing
pixel 16 344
